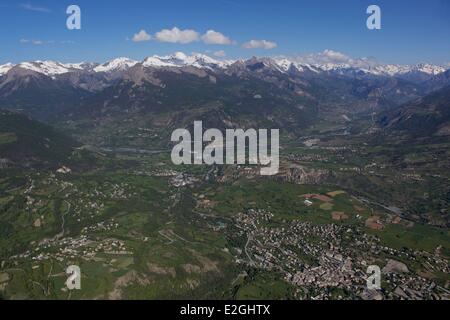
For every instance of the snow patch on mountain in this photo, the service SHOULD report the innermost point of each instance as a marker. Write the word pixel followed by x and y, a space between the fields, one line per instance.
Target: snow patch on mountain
pixel 119 64
pixel 179 59
pixel 49 68
pixel 86 66
pixel 5 68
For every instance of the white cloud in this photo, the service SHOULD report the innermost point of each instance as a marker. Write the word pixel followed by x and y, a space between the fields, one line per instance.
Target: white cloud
pixel 30 7
pixel 141 36
pixel 220 54
pixel 333 57
pixel 214 37
pixel 35 42
pixel 259 44
pixel 176 35
pixel 38 42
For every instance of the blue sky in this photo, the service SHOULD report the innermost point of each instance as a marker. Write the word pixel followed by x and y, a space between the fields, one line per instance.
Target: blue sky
pixel 412 31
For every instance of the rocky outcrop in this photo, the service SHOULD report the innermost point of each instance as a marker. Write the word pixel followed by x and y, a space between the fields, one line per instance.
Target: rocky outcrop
pixel 301 175
pixel 394 266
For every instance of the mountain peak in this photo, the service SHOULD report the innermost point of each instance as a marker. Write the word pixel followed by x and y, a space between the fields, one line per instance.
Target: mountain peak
pixel 180 59
pixel 118 64
pixel 49 68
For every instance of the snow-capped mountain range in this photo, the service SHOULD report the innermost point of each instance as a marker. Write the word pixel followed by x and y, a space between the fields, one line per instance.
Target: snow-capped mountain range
pixel 179 59
pixel 201 61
